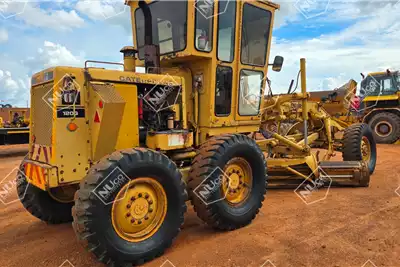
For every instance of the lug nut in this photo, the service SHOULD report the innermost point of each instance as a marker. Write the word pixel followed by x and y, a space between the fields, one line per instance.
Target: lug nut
pixel 150 210
pixel 128 215
pixel 133 221
pixel 139 222
pixel 150 201
pixel 140 195
pixel 132 198
pixel 146 218
pixel 146 196
pixel 128 206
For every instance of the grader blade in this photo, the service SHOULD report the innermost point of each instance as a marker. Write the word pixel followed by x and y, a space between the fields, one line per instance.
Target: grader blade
pixel 334 173
pixel 345 173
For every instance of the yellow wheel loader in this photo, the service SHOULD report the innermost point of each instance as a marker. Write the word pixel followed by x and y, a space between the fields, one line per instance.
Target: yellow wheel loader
pixel 379 106
pixel 125 150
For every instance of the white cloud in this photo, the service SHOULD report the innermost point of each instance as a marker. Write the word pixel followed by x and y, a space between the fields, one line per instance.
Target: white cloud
pixel 60 20
pixel 13 90
pixel 101 9
pixel 109 11
pixel 3 35
pixel 52 54
pixel 286 14
pixel 370 44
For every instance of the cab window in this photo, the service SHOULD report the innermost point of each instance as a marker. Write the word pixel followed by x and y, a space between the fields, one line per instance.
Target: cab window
pixel 250 92
pixel 223 91
pixel 255 35
pixel 169 20
pixel 204 24
pixel 226 30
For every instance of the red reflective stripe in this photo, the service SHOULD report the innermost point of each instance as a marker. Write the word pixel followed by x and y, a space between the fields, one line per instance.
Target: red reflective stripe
pixel 33 150
pixel 45 155
pixel 38 154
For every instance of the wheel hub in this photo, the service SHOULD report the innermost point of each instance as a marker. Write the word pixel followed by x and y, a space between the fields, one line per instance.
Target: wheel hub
pixel 139 209
pixel 383 129
pixel 365 149
pixel 234 181
pixel 237 187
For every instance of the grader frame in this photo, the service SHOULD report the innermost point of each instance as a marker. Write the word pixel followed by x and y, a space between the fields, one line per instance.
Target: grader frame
pixel 132 162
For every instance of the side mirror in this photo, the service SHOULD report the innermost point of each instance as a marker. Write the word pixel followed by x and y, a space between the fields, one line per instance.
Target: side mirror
pixel 278 63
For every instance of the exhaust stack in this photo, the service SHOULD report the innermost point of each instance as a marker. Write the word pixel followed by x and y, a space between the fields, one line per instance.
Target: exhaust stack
pixel 129 58
pixel 151 51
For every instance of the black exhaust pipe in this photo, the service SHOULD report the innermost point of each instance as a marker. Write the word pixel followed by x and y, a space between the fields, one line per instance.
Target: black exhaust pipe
pixel 151 51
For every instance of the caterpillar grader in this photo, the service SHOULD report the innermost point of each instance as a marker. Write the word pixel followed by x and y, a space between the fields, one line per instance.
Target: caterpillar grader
pixel 119 152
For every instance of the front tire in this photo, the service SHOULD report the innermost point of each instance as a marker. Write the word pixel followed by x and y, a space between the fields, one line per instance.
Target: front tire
pixel 386 127
pixel 234 168
pixel 130 207
pixel 40 204
pixel 359 144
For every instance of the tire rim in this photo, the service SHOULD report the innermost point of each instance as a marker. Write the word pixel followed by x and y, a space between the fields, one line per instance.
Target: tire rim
pixel 383 129
pixel 365 149
pixel 238 187
pixel 139 209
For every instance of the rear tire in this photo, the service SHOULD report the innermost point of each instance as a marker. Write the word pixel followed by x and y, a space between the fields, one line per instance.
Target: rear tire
pixel 104 232
pixel 222 210
pixel 386 127
pixel 40 204
pixel 353 138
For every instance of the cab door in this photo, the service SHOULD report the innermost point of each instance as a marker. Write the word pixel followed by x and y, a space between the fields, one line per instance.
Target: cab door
pixel 226 61
pixel 255 34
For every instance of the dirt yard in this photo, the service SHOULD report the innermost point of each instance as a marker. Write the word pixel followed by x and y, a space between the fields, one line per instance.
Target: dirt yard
pixel 351 227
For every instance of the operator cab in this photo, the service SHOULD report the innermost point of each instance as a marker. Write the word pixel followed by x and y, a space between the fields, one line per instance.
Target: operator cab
pixel 222 50
pixel 380 84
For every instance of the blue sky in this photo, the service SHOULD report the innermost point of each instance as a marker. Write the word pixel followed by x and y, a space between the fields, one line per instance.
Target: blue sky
pixel 340 39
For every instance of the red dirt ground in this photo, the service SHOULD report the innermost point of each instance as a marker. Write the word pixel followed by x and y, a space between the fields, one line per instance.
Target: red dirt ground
pixel 351 227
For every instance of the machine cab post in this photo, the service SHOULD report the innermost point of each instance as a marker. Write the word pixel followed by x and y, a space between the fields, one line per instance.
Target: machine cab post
pixel 224 45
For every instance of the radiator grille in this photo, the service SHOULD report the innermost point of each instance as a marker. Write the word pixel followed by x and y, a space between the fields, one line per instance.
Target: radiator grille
pixel 42 113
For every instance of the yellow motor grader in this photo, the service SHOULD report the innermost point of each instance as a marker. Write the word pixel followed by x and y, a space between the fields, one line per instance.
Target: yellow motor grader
pixel 125 150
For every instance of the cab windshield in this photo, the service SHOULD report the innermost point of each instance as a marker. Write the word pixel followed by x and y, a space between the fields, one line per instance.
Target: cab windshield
pixel 379 85
pixel 169 20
